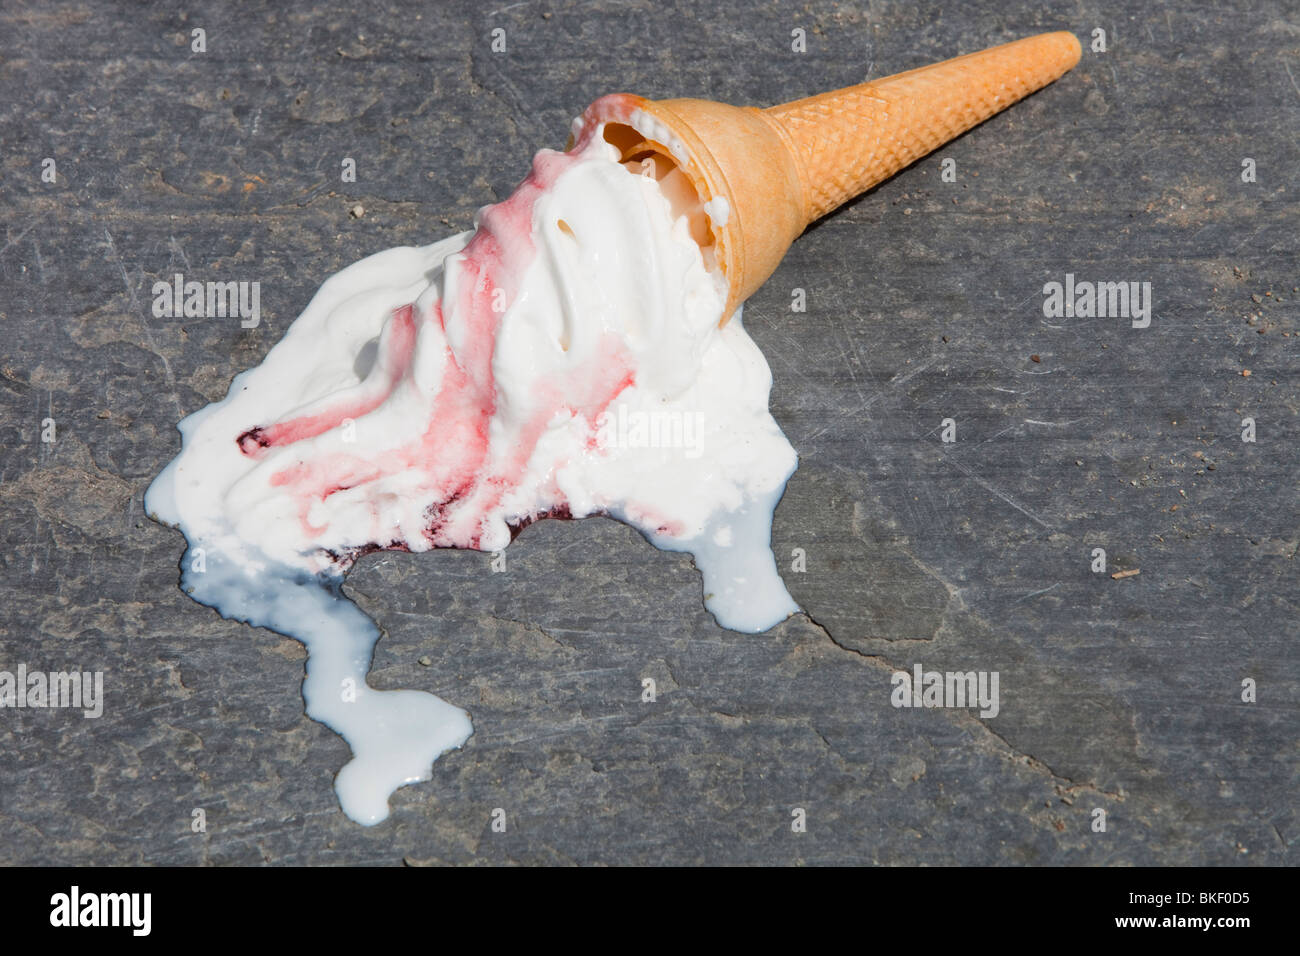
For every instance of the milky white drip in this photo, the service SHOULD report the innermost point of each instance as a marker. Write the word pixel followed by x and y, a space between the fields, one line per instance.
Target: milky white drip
pixel 688 453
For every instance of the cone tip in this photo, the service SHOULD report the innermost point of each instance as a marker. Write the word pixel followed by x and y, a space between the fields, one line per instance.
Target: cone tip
pixel 1071 49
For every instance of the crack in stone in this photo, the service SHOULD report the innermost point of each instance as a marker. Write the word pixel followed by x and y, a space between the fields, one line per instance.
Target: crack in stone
pixel 844 647
pixel 1074 786
pixel 1070 785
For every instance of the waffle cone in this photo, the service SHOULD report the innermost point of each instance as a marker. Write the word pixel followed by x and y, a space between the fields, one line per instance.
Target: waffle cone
pixel 780 169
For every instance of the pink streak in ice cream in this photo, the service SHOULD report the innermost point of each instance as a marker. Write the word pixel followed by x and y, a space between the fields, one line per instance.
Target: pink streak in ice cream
pixel 564 359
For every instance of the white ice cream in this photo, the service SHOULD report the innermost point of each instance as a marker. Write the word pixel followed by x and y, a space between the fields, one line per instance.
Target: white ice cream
pixel 564 359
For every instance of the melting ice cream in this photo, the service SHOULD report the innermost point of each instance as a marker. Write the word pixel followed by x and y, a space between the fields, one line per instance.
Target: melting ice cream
pixel 566 358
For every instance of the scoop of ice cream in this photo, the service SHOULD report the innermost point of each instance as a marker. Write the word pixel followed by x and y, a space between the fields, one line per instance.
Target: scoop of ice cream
pixel 564 359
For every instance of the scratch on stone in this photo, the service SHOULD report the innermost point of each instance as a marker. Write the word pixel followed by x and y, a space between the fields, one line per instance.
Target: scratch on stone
pixel 995 490
pixel 1249 238
pixel 532 627
pixel 1072 421
pixel 899 379
pixel 844 353
pixel 13 242
pixel 1291 75
pixel 987 440
pixel 40 262
pixel 519 115
pixel 893 383
pixel 795 367
pixel 1034 594
pixel 148 332
pixel 178 249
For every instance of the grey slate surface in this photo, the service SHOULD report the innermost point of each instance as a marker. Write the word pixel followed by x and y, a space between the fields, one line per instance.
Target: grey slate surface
pixel 924 303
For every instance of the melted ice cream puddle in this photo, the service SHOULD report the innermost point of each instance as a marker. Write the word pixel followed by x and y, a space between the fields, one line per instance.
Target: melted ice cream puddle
pixel 563 359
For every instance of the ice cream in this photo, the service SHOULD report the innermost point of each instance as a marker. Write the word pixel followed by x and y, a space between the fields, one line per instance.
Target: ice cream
pixel 580 352
pixel 566 358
